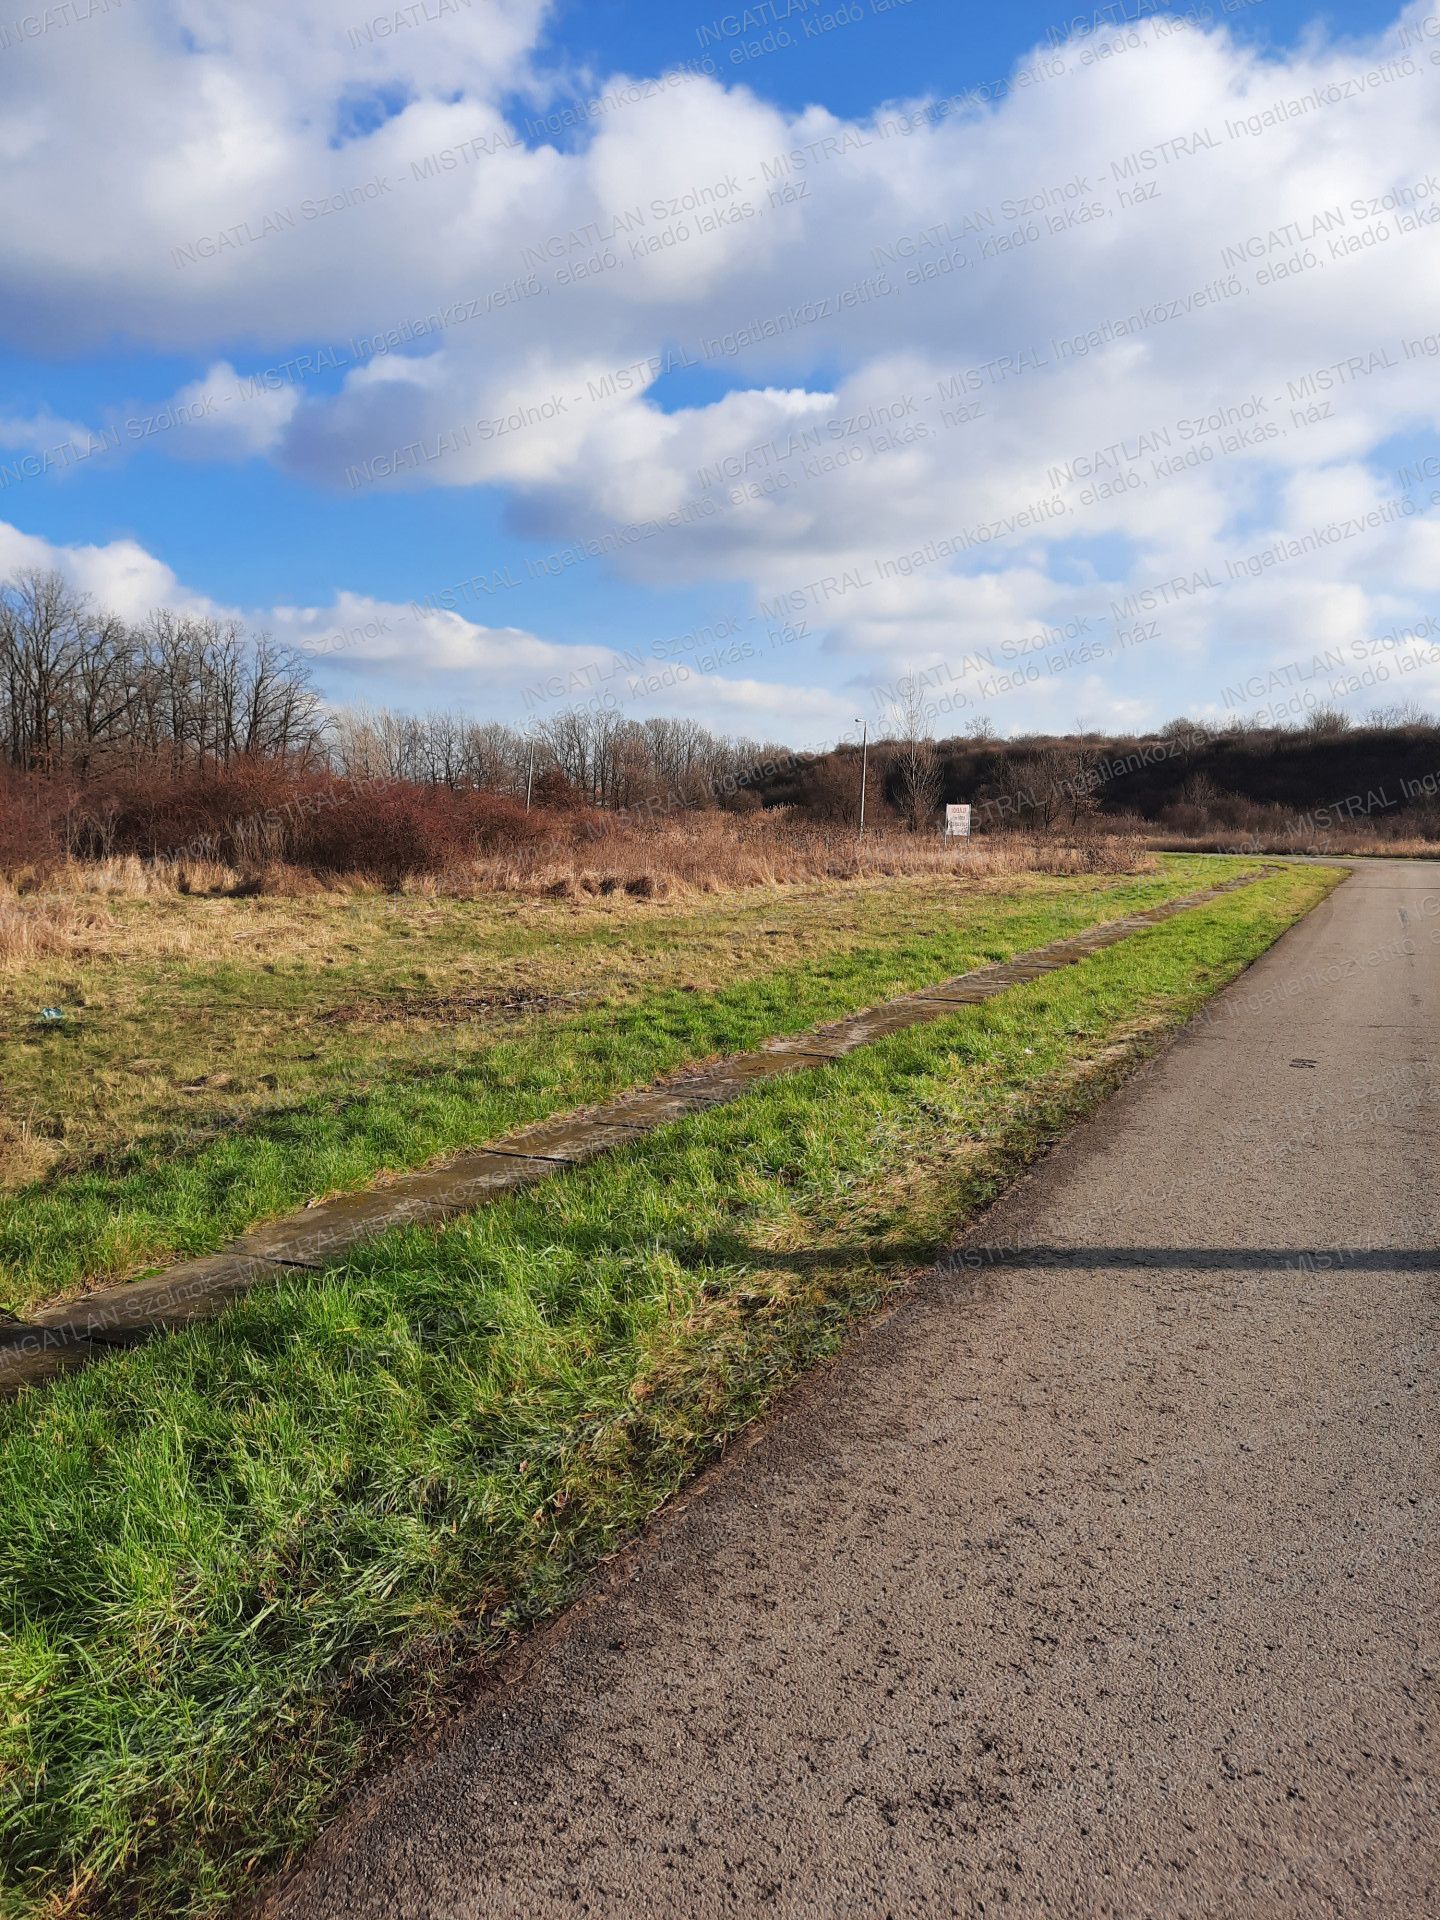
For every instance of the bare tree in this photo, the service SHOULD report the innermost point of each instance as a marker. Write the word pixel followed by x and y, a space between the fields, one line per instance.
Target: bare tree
pixel 495 758
pixel 42 622
pixel 1400 713
pixel 81 691
pixel 914 762
pixel 1052 789
pixel 1327 723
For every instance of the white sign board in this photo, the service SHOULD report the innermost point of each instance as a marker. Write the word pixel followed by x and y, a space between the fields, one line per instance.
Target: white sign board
pixel 957 821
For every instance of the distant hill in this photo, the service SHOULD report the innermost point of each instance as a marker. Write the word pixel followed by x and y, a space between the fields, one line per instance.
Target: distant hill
pixel 1185 778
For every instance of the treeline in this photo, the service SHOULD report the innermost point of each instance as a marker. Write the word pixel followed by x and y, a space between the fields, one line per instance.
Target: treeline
pixel 86 694
pixel 83 692
pixel 577 757
pixel 1187 778
pixel 110 711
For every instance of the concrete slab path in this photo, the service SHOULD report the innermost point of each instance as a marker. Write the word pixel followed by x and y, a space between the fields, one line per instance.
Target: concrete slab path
pixel 1099 1578
pixel 70 1333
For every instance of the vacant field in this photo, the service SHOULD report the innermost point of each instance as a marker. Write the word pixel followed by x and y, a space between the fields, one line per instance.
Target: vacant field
pixel 221 1060
pixel 243 1557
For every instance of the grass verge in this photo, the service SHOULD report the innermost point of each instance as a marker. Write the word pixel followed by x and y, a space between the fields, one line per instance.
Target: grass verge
pixel 239 1560
pixel 333 1074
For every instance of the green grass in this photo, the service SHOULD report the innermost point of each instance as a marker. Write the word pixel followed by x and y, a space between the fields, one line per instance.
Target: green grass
pixel 239 1559
pixel 311 1105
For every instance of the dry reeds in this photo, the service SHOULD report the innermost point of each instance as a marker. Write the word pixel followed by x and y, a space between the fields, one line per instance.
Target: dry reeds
pixel 720 852
pixel 614 856
pixel 35 926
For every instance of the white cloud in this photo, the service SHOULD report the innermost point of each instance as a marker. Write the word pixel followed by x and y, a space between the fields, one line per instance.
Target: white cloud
pixel 41 432
pixel 363 649
pixel 221 419
pixel 120 576
pixel 1171 294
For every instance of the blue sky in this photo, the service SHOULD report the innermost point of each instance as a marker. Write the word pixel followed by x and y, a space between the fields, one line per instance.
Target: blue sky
pixel 791 330
pixel 894 53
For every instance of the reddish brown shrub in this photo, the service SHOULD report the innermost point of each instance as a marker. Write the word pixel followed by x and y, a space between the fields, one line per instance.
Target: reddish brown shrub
pixel 392 831
pixel 32 821
pixel 254 815
pixel 236 813
pixel 552 789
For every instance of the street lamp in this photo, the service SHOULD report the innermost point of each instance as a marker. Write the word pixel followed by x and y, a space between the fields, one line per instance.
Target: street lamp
pixel 864 726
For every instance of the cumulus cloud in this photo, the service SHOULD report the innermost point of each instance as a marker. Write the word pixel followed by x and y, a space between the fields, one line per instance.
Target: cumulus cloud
pixel 362 649
pixel 223 418
pixel 994 367
pixel 119 576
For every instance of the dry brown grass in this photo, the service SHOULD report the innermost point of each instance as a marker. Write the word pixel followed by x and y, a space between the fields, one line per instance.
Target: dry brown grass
pixel 77 910
pixel 1301 840
pixel 698 853
pixel 34 927
pixel 125 908
pixel 135 879
pixel 722 853
pixel 127 877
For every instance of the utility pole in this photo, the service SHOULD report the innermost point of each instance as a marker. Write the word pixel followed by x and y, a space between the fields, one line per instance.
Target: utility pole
pixel 864 769
pixel 530 777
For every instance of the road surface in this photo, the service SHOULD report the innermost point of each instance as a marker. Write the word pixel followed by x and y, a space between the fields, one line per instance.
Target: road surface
pixel 1099 1578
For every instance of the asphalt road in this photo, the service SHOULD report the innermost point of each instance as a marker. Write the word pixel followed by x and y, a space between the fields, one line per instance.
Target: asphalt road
pixel 1099 1578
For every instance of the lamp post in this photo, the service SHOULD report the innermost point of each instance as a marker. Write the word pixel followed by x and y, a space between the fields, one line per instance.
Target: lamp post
pixel 864 767
pixel 530 777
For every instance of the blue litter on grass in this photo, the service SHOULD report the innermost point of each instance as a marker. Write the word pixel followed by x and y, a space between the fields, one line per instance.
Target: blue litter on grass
pixel 51 1016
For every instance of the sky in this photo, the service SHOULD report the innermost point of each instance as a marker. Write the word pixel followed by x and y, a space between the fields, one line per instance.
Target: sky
pixel 1075 369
